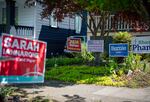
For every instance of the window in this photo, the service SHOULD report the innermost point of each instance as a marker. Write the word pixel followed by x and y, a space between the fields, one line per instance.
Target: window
pixel 4 15
pixel 53 21
pixel 16 16
pixel 78 24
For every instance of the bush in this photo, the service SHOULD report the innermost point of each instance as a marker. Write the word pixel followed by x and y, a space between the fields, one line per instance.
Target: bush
pixel 133 62
pixel 146 57
pixel 84 54
pixel 61 61
pixel 84 75
pixel 5 92
pixel 122 37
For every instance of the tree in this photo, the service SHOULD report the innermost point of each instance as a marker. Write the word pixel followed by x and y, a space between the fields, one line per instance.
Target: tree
pixel 128 9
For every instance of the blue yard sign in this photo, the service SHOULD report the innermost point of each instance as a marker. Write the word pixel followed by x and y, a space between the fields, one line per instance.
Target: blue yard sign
pixel 118 50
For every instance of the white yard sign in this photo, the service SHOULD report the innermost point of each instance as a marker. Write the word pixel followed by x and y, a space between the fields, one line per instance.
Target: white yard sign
pixel 141 44
pixel 95 45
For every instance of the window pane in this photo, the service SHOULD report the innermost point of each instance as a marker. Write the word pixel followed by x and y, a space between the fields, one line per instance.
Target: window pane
pixel 16 16
pixel 53 21
pixel 78 24
pixel 3 15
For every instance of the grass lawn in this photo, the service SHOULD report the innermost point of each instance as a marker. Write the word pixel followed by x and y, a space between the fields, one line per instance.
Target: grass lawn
pixel 74 71
pixel 85 75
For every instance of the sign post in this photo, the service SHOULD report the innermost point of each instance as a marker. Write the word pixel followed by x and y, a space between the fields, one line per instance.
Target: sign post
pixel 95 45
pixel 141 44
pixel 26 63
pixel 118 50
pixel 74 44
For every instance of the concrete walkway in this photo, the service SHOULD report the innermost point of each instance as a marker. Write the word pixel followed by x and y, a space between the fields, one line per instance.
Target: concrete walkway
pixel 86 93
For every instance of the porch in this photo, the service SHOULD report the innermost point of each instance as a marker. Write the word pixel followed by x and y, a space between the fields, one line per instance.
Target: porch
pixel 16 19
pixel 120 25
pixel 24 31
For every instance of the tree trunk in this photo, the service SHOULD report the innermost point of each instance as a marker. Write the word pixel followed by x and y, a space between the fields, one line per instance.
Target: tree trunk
pixel 97 60
pixel 98 55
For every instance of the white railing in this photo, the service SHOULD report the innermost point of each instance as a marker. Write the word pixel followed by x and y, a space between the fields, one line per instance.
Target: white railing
pixel 24 31
pixel 117 25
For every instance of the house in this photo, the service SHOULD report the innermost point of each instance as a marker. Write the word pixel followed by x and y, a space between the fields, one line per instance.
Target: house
pixel 120 25
pixel 19 20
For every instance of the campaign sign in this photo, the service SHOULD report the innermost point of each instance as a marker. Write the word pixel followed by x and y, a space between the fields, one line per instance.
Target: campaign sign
pixel 24 60
pixel 95 45
pixel 141 44
pixel 74 44
pixel 118 50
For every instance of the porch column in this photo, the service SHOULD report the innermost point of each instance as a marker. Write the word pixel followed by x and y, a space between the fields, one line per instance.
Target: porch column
pixel 10 14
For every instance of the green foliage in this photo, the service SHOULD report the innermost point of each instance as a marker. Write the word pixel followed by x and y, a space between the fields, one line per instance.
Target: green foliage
pixel 146 57
pixel 84 75
pixel 122 37
pixel 113 64
pixel 60 61
pixel 6 91
pixel 84 54
pixel 133 62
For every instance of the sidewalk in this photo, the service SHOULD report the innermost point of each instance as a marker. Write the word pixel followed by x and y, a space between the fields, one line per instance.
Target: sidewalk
pixel 87 93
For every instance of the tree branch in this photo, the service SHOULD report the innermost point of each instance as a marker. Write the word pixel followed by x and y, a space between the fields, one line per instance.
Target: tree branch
pixel 83 18
pixel 93 21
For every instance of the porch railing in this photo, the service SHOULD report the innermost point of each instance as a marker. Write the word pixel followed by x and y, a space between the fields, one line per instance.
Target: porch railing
pixel 24 31
pixel 119 25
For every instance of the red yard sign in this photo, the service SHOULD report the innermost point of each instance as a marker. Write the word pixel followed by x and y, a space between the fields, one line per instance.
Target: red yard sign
pixel 74 44
pixel 25 60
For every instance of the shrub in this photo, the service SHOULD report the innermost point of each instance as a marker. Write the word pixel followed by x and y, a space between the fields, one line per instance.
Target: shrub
pixel 84 54
pixel 112 65
pixel 5 92
pixel 133 62
pixel 61 61
pixel 84 75
pixel 146 57
pixel 122 37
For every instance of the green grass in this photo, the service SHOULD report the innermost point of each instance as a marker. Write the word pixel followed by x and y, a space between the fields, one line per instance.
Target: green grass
pixel 85 75
pixel 62 61
pixel 74 70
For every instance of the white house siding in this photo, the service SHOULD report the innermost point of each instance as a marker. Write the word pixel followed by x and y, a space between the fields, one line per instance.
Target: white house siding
pixel 25 16
pixel 39 21
pixel 67 23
